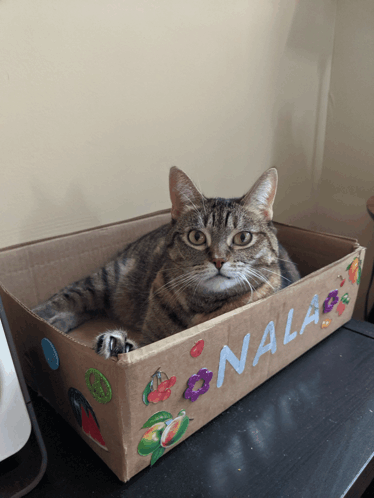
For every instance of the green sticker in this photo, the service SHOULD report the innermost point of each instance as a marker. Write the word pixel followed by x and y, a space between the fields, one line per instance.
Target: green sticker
pixel 345 298
pixel 146 391
pixel 157 417
pixel 100 387
pixel 158 452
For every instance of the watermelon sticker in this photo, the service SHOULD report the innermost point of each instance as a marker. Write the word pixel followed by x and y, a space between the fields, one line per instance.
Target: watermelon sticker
pixel 85 417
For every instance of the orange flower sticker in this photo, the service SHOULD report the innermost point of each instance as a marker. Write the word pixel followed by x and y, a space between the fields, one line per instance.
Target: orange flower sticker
pixel 354 271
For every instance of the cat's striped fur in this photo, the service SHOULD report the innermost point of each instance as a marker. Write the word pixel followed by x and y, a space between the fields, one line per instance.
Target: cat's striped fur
pixel 214 256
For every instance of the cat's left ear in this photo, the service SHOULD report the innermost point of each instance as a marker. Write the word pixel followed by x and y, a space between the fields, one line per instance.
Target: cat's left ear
pixel 183 193
pixel 262 194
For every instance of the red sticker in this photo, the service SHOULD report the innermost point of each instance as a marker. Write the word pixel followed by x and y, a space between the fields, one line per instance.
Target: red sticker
pixel 340 308
pixel 197 349
pixel 90 428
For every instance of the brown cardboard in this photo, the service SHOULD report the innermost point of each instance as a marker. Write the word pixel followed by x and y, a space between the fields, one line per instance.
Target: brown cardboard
pixel 32 272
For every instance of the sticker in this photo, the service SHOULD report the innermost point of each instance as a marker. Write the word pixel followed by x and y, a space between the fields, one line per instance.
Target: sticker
pixel 50 353
pixel 342 280
pixel 197 349
pixel 340 308
pixel 85 417
pixel 158 390
pixel 202 374
pixel 100 387
pixel 345 298
pixel 354 271
pixel 326 322
pixel 162 432
pixel 333 297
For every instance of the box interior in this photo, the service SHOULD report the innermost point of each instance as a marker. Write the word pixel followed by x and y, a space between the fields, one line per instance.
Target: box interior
pixel 34 271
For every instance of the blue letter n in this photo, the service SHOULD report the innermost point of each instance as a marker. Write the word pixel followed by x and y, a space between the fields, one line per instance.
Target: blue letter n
pixel 228 355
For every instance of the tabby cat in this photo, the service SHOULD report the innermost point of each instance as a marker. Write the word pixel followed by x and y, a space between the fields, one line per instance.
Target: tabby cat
pixel 214 256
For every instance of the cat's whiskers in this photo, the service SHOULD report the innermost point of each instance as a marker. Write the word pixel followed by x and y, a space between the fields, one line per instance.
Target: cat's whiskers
pixel 259 275
pixel 250 274
pixel 275 273
pixel 195 278
pixel 181 281
pixel 197 285
pixel 287 261
pixel 242 277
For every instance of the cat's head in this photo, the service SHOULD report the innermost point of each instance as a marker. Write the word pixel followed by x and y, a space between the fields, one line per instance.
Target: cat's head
pixel 223 246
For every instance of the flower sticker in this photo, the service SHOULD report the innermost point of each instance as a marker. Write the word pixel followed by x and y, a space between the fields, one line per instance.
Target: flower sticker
pixel 202 374
pixel 158 390
pixel 333 297
pixel 354 271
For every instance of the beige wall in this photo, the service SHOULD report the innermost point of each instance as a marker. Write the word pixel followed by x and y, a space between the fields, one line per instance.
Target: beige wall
pixel 347 178
pixel 99 99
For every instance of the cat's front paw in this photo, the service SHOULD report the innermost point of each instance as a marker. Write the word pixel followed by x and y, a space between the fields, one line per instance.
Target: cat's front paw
pixel 113 343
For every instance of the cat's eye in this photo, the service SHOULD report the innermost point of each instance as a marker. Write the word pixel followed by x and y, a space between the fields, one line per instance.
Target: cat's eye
pixel 196 238
pixel 242 238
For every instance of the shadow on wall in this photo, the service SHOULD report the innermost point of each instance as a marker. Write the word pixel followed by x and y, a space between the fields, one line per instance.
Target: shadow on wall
pixel 293 203
pixel 301 115
pixel 54 215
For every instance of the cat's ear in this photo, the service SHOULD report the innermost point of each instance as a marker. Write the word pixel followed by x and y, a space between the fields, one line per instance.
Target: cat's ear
pixel 262 194
pixel 183 193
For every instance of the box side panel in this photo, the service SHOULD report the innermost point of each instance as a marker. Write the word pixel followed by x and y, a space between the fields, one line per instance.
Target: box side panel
pixel 312 250
pixel 34 272
pixel 55 366
pixel 242 349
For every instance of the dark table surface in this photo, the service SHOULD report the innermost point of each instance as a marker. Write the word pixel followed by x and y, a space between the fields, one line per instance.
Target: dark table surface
pixel 308 432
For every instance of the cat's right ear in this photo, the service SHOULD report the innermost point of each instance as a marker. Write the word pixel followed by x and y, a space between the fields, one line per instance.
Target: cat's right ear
pixel 183 193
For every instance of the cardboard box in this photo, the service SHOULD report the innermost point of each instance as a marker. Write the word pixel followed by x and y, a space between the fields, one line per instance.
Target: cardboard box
pixel 108 406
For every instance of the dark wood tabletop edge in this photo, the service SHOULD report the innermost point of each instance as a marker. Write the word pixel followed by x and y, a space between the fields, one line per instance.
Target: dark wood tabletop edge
pixel 360 327
pixel 361 482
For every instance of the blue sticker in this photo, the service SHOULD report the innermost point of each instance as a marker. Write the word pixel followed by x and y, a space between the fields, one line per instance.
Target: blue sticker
pixel 50 354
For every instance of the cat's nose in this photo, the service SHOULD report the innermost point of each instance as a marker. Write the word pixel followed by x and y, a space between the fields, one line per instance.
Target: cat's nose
pixel 218 262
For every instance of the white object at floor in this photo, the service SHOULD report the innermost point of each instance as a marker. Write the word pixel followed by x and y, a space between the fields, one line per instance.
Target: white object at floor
pixel 15 425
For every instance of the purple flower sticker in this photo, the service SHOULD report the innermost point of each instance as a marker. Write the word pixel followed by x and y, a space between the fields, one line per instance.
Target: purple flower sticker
pixel 202 374
pixel 333 297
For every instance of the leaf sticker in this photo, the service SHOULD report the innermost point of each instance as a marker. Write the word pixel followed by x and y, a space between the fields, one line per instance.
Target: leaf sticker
pixel 157 417
pixel 359 275
pixel 146 391
pixel 157 454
